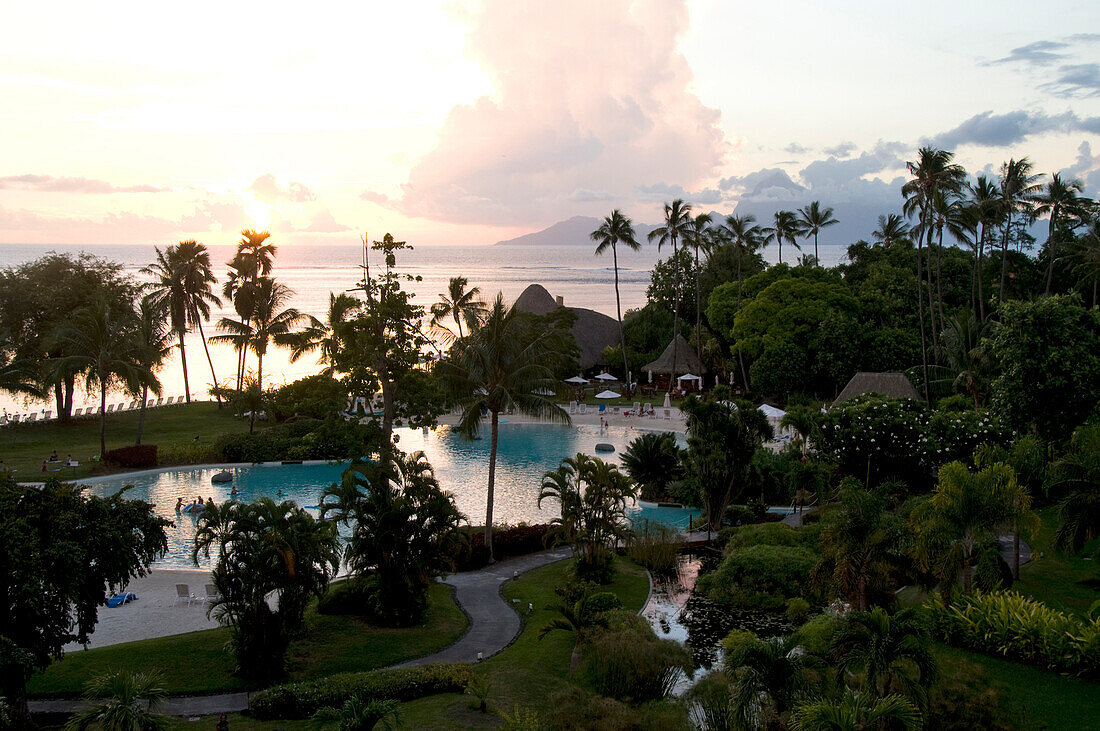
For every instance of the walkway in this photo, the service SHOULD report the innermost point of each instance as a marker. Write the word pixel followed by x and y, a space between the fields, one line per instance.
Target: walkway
pixel 494 624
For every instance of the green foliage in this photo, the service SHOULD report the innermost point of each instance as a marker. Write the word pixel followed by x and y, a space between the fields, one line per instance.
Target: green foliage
pixel 781 369
pixel 790 310
pixel 332 438
pixel 1077 475
pixel 302 700
pixel 577 710
pixel 817 634
pixel 884 654
pixel 1008 624
pixel 357 715
pixel 630 663
pixel 1048 353
pixel 769 534
pixel 857 710
pixel 656 547
pixel 121 701
pixel 350 596
pixel 317 397
pixel 760 576
pixel 798 609
pixel 63 553
pixel 653 461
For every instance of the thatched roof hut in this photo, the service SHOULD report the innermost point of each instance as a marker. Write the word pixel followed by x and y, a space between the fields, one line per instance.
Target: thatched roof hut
pixel 687 360
pixel 890 385
pixel 593 331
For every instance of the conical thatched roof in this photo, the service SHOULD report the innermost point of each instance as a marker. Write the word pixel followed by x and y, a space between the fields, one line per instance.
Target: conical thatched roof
pixel 593 331
pixel 890 385
pixel 687 360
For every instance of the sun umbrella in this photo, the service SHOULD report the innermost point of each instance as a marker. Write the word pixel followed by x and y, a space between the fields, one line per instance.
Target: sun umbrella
pixel 576 379
pixel 668 401
pixel 688 377
pixel 606 377
pixel 607 394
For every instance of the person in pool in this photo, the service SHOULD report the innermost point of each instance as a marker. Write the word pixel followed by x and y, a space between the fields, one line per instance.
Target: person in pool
pixel 279 493
pixel 234 492
pixel 179 504
pixel 210 501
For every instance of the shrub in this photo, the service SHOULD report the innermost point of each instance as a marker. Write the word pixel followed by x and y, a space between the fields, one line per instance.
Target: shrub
pixel 769 534
pixel 657 548
pixel 630 663
pixel 760 576
pixel 188 453
pixel 138 455
pixel 346 597
pixel 302 700
pixel 576 710
pixel 1007 624
pixel 316 396
pixel 816 635
pixel 798 609
pixel 508 541
pixel 333 438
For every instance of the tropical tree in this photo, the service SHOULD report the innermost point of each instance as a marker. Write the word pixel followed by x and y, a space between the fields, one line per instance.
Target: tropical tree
pixel 700 236
pixel 255 258
pixel 803 421
pixel 617 229
pixel 20 377
pixel 592 497
pixel 1086 258
pixel 857 548
pixel 1019 189
pixel 577 619
pixel 268 322
pixel 785 227
pixel 652 460
pixel 154 345
pixel 745 236
pixel 768 677
pixel 677 227
pixel 215 527
pixel 966 364
pixel 857 711
pixel 121 700
pixel 507 363
pixel 890 229
pixel 814 218
pixel 459 303
pixel 886 654
pixel 984 203
pixel 359 714
pixel 1059 198
pixel 1078 474
pixel 106 350
pixel 323 338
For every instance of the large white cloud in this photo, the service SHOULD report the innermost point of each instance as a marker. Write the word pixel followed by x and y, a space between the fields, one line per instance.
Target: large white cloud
pixel 592 100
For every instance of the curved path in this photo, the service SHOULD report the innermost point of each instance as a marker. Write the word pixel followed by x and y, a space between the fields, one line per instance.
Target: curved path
pixel 494 624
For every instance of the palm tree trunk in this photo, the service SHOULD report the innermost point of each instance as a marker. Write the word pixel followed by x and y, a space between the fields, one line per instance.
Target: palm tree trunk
pixel 939 275
pixel 619 315
pixel 213 377
pixel 1004 258
pixel 981 276
pixel 815 249
pixel 698 316
pixel 1050 250
pixel 260 371
pixel 493 438
pixel 102 419
pixel 931 298
pixel 920 319
pixel 575 658
pixel 780 240
pixel 675 312
pixel 1016 552
pixel 183 361
pixel 141 414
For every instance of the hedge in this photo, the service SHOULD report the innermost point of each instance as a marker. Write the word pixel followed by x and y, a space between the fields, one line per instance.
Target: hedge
pixel 508 542
pixel 138 455
pixel 302 700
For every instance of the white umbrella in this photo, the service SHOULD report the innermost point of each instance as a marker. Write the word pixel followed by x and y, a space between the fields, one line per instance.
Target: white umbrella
pixel 606 377
pixel 689 377
pixel 607 394
pixel 668 401
pixel 576 379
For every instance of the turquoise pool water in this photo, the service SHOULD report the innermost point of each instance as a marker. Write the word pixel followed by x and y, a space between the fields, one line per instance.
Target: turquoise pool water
pixel 524 453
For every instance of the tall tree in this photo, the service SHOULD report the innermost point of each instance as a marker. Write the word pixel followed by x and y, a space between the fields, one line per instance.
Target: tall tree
pixel 459 303
pixel 255 258
pixel 814 218
pixel 785 227
pixel 746 238
pixel 323 338
pixel 154 345
pixel 856 548
pixel 1060 197
pixel 985 214
pixel 507 363
pixel 1086 259
pixel 676 227
pixel 700 236
pixel 890 229
pixel 1077 473
pixel 887 654
pixel 106 351
pixel 1019 188
pixel 269 322
pixel 617 229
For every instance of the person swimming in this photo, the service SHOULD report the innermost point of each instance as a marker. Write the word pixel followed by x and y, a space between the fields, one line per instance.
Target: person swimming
pixel 179 504
pixel 234 492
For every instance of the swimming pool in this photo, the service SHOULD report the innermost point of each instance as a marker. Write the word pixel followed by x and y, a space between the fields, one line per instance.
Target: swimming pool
pixel 524 453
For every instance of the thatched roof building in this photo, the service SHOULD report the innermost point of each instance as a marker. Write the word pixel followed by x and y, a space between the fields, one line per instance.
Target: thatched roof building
pixel 593 331
pixel 687 360
pixel 891 385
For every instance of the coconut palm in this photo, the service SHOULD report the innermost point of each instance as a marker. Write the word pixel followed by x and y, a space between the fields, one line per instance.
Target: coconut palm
pixel 507 363
pixel 984 203
pixel 1019 188
pixel 746 238
pixel 700 236
pixel 106 351
pixel 121 701
pixel 1060 197
pixel 154 340
pixel 886 654
pixel 458 303
pixel 1086 258
pixel 215 527
pixel 785 227
pixel 617 229
pixel 255 258
pixel 857 711
pixel 856 548
pixel 967 367
pixel 268 322
pixel 803 421
pixel 323 337
pixel 1078 472
pixel 20 376
pixel 677 227
pixel 652 460
pixel 814 218
pixel 891 228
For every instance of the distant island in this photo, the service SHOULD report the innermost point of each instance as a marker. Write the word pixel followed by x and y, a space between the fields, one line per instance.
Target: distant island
pixel 570 232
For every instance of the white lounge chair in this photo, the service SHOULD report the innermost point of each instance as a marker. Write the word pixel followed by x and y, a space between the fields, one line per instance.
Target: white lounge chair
pixel 582 408
pixel 210 595
pixel 647 410
pixel 637 408
pixel 572 407
pixel 110 408
pixel 169 401
pixel 46 415
pixel 667 414
pixel 30 417
pixel 183 594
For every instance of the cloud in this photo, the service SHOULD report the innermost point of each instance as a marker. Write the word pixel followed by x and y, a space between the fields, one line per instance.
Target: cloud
pixel 833 173
pixel 1000 130
pixel 1039 53
pixel 1086 168
pixel 844 149
pixel 324 223
pixel 765 184
pixel 661 192
pixel 1081 79
pixel 1071 78
pixel 267 189
pixel 796 149
pixel 51 184
pixel 604 105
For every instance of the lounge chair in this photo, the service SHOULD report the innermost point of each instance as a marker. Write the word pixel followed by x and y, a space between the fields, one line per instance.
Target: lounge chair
pixel 615 410
pixel 211 594
pixel 603 409
pixel 647 410
pixel 572 407
pixel 183 593
pixel 667 414
pixel 46 415
pixel 30 417
pixel 582 408
pixel 110 408
pixel 637 408
pixel 169 401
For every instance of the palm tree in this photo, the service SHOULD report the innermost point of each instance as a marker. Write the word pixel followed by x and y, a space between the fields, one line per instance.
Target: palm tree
pixel 772 670
pixel 121 701
pixel 323 337
pixel 504 364
pixel 254 259
pixel 967 367
pixel 887 654
pixel 154 339
pixel 985 214
pixel 1019 188
pixel 814 218
pixel 803 421
pixel 745 236
pixel 20 376
pixel 677 226
pixel 652 460
pixel 785 227
pixel 1079 472
pixel 358 714
pixel 215 526
pixel 267 322
pixel 1086 256
pixel 1059 198
pixel 106 350
pixel 890 229
pixel 460 304
pixel 617 229
pixel 856 545
pixel 576 619
pixel 700 236
pixel 857 711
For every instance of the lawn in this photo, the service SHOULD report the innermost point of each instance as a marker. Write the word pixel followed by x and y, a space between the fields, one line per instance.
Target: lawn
pixel 192 426
pixel 529 672
pixel 1069 583
pixel 198 662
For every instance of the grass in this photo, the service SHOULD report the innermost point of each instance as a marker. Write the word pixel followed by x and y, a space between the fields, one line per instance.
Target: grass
pixel 529 672
pixel 1036 698
pixel 194 425
pixel 199 662
pixel 1056 579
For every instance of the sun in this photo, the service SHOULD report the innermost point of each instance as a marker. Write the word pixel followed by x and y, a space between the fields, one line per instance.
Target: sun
pixel 257 210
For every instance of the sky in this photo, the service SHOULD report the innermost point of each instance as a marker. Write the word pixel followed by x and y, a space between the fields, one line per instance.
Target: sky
pixel 471 122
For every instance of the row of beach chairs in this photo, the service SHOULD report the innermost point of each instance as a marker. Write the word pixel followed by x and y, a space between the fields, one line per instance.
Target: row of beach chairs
pixel 638 409
pixel 47 414
pixel 183 594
